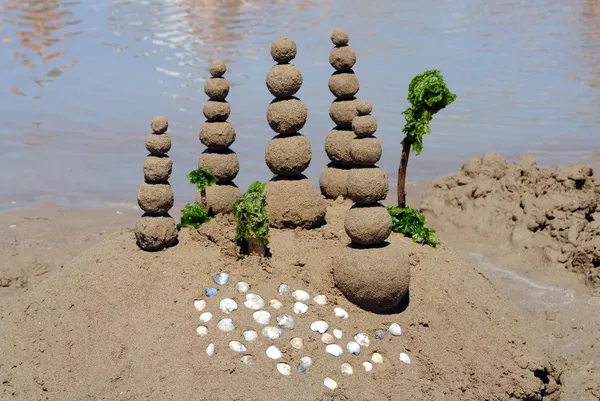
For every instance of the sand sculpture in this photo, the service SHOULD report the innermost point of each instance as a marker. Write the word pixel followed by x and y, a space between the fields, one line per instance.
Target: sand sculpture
pixel 217 134
pixel 292 200
pixel 343 84
pixel 156 229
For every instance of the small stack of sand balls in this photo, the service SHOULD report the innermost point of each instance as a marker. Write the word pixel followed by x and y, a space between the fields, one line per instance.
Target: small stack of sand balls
pixel 292 200
pixel 217 134
pixel 343 84
pixel 156 229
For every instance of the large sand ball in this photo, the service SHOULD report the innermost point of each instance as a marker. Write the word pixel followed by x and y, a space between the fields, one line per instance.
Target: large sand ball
pixel 284 80
pixel 155 198
pixel 158 145
pixel 342 112
pixel 376 279
pixel 342 58
pixel 367 184
pixel 216 111
pixel 157 169
pixel 333 181
pixel 216 89
pixel 288 155
pixel 283 50
pixel 154 233
pixel 217 135
pixel 365 151
pixel 337 146
pixel 344 85
pixel 220 198
pixel 159 125
pixel 287 116
pixel 218 68
pixel 294 202
pixel 364 126
pixel 225 164
pixel 368 224
pixel 339 37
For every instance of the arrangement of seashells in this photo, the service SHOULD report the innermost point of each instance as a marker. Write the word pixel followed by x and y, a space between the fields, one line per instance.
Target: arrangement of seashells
pixel 275 324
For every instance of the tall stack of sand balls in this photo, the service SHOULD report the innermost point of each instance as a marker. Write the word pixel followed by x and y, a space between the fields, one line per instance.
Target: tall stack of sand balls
pixel 156 229
pixel 217 134
pixel 292 200
pixel 344 85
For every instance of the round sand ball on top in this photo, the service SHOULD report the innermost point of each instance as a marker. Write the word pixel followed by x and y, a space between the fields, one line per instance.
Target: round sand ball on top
pixel 159 125
pixel 217 68
pixel 344 85
pixel 155 198
pixel 220 198
pixel 339 37
pixel 333 181
pixel 368 224
pixel 363 107
pixel 225 164
pixel 283 50
pixel 157 169
pixel 342 58
pixel 342 112
pixel 158 145
pixel 217 135
pixel 154 233
pixel 217 88
pixel 284 80
pixel 287 116
pixel 337 146
pixel 288 155
pixel 365 151
pixel 367 184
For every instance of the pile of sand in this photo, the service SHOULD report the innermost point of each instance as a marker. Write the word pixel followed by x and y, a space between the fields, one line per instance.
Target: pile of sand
pixel 119 323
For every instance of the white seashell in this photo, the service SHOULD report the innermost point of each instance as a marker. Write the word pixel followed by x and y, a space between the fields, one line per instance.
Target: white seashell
pixel 320 300
pixel 330 384
pixel 225 324
pixel 339 312
pixel 221 278
pixel 283 289
pixel 395 329
pixel 306 361
pixel 247 360
pixel 199 304
pixel 297 343
pixel 254 302
pixel 362 339
pixel 237 346
pixel 346 369
pixel 337 333
pixel 300 295
pixel 334 350
pixel 299 307
pixel 353 348
pixel 228 305
pixel 262 317
pixel 327 338
pixel 205 317
pixel 404 357
pixel 272 333
pixel 273 352
pixel 242 287
pixel 284 369
pixel 210 350
pixel 376 358
pixel 250 335
pixel 319 326
pixel 275 304
pixel 286 322
pixel 202 331
pixel 368 366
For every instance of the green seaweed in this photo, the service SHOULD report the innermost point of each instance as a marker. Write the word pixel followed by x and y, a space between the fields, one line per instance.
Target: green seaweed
pixel 252 216
pixel 202 178
pixel 193 215
pixel 411 223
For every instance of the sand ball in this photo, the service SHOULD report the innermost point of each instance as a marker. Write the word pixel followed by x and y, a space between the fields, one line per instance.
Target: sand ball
pixel 364 126
pixel 159 125
pixel 225 165
pixel 337 146
pixel 154 233
pixel 365 151
pixel 283 50
pixel 339 37
pixel 217 135
pixel 342 58
pixel 157 168
pixel 367 184
pixel 368 224
pixel 294 202
pixel 344 85
pixel 284 80
pixel 287 116
pixel 155 198
pixel 216 111
pixel 158 145
pixel 342 112
pixel 376 279
pixel 363 107
pixel 216 88
pixel 288 155
pixel 333 181
pixel 218 68
pixel 220 198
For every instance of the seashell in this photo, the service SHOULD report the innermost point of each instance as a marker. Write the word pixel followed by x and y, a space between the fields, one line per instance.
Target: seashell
pixel 297 343
pixel 339 312
pixel 300 295
pixel 320 300
pixel 237 346
pixel 210 350
pixel 346 369
pixel 319 326
pixel 395 329
pixel 272 333
pixel 306 361
pixel 330 384
pixel 376 358
pixel 199 304
pixel 283 289
pixel 202 331
pixel 327 338
pixel 337 333
pixel 284 369
pixel 242 287
pixel 205 317
pixel 225 324
pixel 211 292
pixel 228 305
pixel 379 334
pixel 250 335
pixel 247 360
pixel 273 352
pixel 301 369
pixel 254 302
pixel 404 358
pixel 286 322
pixel 368 366
pixel 334 350
pixel 362 339
pixel 262 317
pixel 221 278
pixel 353 347
pixel 299 307
pixel 275 304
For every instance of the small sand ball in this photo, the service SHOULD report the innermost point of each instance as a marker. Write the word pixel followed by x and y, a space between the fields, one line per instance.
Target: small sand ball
pixel 288 155
pixel 225 165
pixel 364 126
pixel 342 112
pixel 368 224
pixel 154 233
pixel 218 68
pixel 344 85
pixel 342 58
pixel 494 165
pixel 159 125
pixel 294 202
pixel 216 111
pixel 333 181
pixel 337 146
pixel 157 168
pixel 216 88
pixel 363 107
pixel 283 50
pixel 339 37
pixel 284 80
pixel 367 184
pixel 217 135
pixel 365 151
pixel 287 116
pixel 220 198
pixel 155 198
pixel 158 145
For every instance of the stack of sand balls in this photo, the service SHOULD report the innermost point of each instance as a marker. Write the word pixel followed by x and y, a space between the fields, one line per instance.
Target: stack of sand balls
pixel 292 200
pixel 218 135
pixel 156 229
pixel 344 86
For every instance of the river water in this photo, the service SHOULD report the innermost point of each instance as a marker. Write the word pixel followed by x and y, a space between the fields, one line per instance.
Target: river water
pixel 81 81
